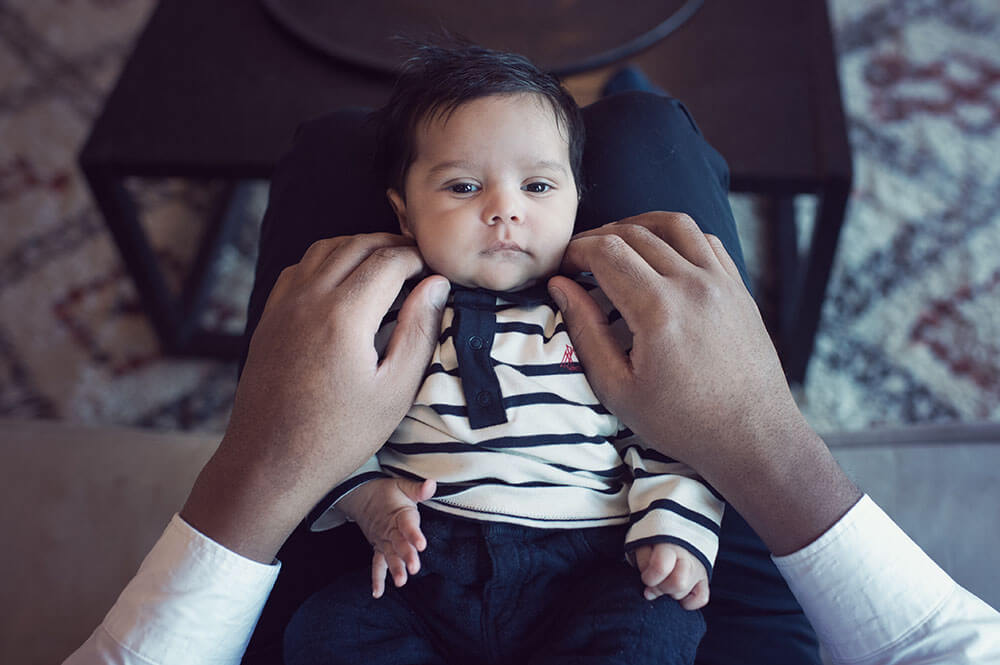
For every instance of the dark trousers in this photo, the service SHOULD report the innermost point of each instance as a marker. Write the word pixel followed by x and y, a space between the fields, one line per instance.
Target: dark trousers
pixel 499 593
pixel 643 153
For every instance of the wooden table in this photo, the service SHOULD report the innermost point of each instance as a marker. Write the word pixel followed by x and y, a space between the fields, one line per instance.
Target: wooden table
pixel 216 89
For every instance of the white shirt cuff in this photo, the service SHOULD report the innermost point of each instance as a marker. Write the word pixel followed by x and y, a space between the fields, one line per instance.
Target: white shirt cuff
pixel 192 601
pixel 864 584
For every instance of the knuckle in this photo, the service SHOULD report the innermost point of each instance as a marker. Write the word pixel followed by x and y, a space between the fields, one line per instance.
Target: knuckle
pixel 389 253
pixel 321 246
pixel 424 329
pixel 704 289
pixel 682 219
pixel 636 233
pixel 611 244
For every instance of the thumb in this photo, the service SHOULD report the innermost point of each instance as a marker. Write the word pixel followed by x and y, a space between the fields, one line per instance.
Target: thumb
pixel 604 363
pixel 417 491
pixel 417 328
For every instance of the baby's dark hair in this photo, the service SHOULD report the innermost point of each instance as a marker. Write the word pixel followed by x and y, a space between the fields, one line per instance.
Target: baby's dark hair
pixel 441 76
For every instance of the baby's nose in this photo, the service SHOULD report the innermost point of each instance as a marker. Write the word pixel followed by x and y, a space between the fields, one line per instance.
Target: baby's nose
pixel 503 208
pixel 511 218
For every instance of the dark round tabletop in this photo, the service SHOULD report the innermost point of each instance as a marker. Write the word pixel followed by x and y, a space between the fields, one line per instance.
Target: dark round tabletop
pixel 562 36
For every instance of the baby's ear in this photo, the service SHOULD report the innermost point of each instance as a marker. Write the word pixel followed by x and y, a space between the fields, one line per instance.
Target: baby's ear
pixel 399 207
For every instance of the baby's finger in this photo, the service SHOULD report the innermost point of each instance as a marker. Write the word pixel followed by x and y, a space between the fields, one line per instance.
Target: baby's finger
pixel 661 563
pixel 379 570
pixel 397 567
pixel 698 597
pixel 405 550
pixel 409 526
pixel 680 581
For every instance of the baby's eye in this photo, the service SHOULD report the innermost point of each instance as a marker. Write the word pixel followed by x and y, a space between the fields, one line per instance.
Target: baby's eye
pixel 463 188
pixel 538 187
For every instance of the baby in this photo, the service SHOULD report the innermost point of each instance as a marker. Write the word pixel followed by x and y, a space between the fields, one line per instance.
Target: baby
pixel 526 483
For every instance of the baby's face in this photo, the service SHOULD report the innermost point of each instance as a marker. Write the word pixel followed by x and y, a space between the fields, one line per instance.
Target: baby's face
pixel 490 196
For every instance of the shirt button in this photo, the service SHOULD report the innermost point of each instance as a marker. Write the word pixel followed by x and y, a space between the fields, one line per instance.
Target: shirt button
pixel 476 342
pixel 484 398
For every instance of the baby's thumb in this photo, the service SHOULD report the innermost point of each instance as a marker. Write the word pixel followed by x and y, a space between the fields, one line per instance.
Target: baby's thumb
pixel 418 490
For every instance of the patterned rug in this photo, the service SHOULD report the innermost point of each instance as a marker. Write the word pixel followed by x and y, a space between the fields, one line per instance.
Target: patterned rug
pixel 911 326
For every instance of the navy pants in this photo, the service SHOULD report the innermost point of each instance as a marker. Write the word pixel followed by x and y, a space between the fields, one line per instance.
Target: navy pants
pixel 499 593
pixel 643 153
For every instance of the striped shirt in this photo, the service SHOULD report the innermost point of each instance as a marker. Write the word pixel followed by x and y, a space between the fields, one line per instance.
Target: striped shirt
pixel 507 424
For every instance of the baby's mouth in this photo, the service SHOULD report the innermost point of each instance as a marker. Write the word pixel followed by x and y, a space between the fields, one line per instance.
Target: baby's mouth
pixel 503 246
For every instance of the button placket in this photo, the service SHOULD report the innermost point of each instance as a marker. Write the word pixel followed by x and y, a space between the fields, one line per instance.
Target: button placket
pixel 474 330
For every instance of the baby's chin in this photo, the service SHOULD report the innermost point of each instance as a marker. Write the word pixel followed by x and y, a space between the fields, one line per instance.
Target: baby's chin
pixel 499 282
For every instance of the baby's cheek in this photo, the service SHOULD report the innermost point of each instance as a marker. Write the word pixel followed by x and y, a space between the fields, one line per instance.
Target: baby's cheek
pixel 439 262
pixel 549 264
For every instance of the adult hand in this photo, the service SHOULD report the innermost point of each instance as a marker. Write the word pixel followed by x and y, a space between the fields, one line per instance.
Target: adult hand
pixel 315 400
pixel 702 383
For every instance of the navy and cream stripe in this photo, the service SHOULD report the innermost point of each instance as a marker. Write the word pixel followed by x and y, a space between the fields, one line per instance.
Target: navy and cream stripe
pixel 508 426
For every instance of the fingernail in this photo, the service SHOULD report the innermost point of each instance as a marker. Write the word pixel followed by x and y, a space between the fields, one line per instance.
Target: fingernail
pixel 439 294
pixel 649 595
pixel 559 297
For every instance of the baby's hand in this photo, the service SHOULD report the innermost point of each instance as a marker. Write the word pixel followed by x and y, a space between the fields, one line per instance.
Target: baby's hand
pixel 672 570
pixel 386 511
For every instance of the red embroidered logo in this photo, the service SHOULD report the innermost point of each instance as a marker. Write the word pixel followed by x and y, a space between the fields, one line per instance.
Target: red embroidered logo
pixel 569 361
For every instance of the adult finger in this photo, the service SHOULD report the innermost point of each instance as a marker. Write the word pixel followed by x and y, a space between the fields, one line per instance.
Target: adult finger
pixel 371 288
pixel 284 284
pixel 417 329
pixel 626 278
pixel 584 251
pixel 347 259
pixel 604 363
pixel 379 570
pixel 336 257
pixel 723 256
pixel 328 261
pixel 682 233
pixel 677 229
pixel 317 253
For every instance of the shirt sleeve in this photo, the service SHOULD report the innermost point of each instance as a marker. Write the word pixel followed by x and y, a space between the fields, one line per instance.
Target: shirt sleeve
pixel 326 515
pixel 875 598
pixel 192 601
pixel 669 503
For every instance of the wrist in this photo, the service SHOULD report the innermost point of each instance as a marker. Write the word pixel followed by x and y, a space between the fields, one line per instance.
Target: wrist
pixel 243 508
pixel 352 504
pixel 786 484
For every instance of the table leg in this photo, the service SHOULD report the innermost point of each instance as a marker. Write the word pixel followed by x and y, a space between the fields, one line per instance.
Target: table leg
pixel 804 285
pixel 175 320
